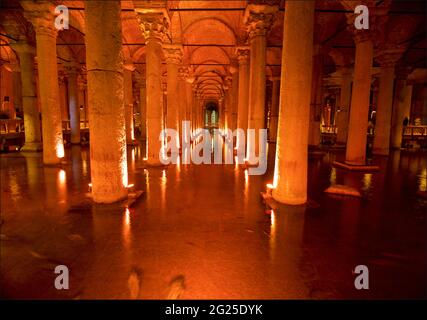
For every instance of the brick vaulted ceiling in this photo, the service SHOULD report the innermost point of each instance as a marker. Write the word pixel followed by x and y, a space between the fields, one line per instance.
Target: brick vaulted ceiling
pixel 210 30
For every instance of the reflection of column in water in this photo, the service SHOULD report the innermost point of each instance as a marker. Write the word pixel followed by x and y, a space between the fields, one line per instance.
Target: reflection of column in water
pixel 76 159
pixel 395 156
pixel 51 177
pixel 286 240
pixel 126 223
pixel 163 181
pixel 34 165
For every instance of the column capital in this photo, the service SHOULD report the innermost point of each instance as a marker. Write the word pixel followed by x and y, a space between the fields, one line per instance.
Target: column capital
pixel 173 53
pixel 71 68
pixel 259 18
pixel 388 57
pixel 242 53
pixel 41 15
pixel 154 23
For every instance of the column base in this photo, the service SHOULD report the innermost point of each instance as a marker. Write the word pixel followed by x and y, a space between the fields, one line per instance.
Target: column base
pixel 32 147
pixel 343 190
pixel 354 167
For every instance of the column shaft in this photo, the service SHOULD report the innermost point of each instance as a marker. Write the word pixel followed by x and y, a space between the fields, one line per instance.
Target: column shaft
pixel 257 89
pixel 108 160
pixel 358 124
pixel 128 102
pixel 316 100
pixel 345 98
pixel 74 108
pixel 274 114
pixel 154 99
pixel 384 111
pixel 243 100
pixel 401 110
pixel 143 111
pixel 29 100
pixel 290 176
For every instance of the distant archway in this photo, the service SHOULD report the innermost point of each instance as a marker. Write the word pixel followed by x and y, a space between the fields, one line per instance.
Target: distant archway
pixel 211 114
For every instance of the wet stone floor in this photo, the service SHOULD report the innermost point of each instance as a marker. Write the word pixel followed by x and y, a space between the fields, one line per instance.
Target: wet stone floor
pixel 202 232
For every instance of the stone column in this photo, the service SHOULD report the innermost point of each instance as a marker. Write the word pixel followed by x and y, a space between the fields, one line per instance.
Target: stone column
pixel 358 124
pixel 387 60
pixel 258 19
pixel 227 102
pixel 81 97
pixel 128 68
pixel 274 114
pixel 243 103
pixel 316 98
pixel 344 107
pixel 182 94
pixel 153 24
pixel 173 54
pixel 234 96
pixel 401 106
pixel 142 106
pixel 41 15
pixel 29 98
pixel 290 175
pixel 71 72
pixel 17 88
pixel 108 160
pixel 62 82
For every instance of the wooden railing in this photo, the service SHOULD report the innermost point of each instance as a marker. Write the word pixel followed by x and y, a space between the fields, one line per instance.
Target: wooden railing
pixel 415 131
pixel 329 129
pixel 67 126
pixel 11 126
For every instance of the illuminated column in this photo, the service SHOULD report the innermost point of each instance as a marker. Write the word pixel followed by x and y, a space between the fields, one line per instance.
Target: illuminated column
pixel 182 94
pixel 258 19
pixel 234 70
pixel 191 94
pixel 41 15
pixel 358 124
pixel 81 95
pixel 16 89
pixel 31 115
pixel 71 72
pixel 153 24
pixel 108 161
pixel 227 102
pixel 62 82
pixel 243 103
pixel 128 68
pixel 387 61
pixel 142 106
pixel 401 106
pixel 316 98
pixel 274 115
pixel 290 174
pixel 173 54
pixel 344 107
